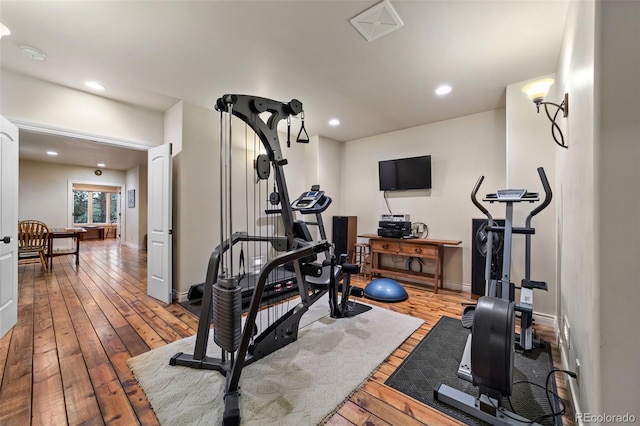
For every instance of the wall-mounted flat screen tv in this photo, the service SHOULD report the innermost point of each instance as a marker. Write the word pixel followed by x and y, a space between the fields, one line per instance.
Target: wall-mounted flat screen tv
pixel 405 173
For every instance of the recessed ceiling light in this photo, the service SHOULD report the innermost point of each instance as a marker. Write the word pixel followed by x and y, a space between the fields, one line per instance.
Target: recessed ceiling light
pixel 33 53
pixel 94 85
pixel 334 122
pixel 100 164
pixel 4 31
pixel 443 90
pixel 53 153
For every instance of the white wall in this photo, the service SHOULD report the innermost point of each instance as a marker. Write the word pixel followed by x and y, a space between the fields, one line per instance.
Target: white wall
pixel 142 196
pixel 461 150
pixel 195 192
pixel 529 146
pixel 617 153
pixel 136 217
pixel 320 161
pixel 600 204
pixel 132 214
pixel 576 201
pixel 329 168
pixel 173 127
pixel 44 190
pixel 27 99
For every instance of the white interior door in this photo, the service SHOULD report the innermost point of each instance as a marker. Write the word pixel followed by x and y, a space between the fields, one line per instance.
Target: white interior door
pixel 159 284
pixel 8 225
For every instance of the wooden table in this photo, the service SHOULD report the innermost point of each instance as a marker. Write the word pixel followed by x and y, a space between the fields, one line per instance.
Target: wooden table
pixel 73 233
pixel 98 230
pixel 419 248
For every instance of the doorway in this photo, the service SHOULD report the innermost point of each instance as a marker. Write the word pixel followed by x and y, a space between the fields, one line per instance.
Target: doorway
pixel 107 171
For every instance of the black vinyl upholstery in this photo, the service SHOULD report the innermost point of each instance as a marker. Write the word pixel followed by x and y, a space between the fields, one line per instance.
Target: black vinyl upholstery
pixel 301 231
pixel 323 280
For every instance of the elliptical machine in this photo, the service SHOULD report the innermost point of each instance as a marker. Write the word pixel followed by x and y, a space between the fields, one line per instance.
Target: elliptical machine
pixel 503 287
pixel 488 357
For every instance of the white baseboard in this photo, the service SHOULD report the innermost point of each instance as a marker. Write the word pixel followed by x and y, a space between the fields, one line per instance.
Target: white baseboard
pixel 134 246
pixel 574 394
pixel 182 296
pixel 546 320
pixel 463 287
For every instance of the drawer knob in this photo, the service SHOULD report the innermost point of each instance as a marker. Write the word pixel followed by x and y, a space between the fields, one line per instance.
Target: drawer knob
pixel 418 250
pixel 385 246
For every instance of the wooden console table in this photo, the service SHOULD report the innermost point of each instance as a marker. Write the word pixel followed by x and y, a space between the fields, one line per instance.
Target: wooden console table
pixel 415 247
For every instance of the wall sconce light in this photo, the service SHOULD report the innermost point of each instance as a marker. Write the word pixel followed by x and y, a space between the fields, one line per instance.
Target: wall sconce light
pixel 536 91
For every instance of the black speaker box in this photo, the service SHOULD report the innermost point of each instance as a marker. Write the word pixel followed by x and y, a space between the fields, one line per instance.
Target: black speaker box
pixel 345 235
pixel 478 259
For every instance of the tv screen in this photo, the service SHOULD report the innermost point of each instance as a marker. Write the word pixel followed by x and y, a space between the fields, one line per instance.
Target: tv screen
pixel 405 173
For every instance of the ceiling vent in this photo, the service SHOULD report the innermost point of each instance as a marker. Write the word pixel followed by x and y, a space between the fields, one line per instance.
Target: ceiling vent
pixel 377 21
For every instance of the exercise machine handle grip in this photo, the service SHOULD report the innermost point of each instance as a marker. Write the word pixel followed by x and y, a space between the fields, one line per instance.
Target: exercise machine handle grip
pixel 548 195
pixel 475 200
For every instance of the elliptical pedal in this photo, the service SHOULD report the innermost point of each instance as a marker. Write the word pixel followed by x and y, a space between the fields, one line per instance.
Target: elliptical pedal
pixel 538 285
pixel 467 316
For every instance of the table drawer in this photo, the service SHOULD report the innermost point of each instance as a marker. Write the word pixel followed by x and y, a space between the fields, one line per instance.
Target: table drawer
pixel 385 247
pixel 417 250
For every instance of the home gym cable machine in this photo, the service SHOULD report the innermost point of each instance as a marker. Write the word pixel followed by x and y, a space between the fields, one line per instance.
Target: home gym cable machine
pixel 279 243
pixel 488 357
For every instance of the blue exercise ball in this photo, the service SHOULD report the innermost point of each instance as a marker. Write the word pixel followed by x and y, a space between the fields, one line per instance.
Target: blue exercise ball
pixel 385 290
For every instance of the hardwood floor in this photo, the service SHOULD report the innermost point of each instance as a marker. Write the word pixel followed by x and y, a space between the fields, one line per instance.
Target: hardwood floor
pixel 65 362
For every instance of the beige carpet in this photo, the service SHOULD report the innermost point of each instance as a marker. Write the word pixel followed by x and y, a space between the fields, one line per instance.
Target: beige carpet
pixel 298 385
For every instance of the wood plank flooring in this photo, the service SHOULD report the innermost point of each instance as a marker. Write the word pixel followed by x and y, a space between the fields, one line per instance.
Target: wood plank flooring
pixel 65 362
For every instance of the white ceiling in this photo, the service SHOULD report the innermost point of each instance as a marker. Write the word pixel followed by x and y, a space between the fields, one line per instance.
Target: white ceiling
pixel 154 53
pixel 77 152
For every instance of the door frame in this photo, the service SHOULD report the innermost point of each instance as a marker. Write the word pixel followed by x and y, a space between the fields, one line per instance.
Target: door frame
pixel 123 143
pixel 89 137
pixel 92 137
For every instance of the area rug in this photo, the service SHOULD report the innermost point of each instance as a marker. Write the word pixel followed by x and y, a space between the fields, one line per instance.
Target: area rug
pixel 300 384
pixel 436 360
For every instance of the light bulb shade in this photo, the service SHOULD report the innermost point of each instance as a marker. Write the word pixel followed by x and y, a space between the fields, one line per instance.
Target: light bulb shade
pixel 4 31
pixel 538 89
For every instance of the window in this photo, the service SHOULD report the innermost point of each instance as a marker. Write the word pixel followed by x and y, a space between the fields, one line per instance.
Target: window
pixel 80 206
pixel 113 207
pixel 95 204
pixel 99 207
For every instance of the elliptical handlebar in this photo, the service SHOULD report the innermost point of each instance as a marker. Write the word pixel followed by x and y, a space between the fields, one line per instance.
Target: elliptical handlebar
pixel 548 194
pixel 475 200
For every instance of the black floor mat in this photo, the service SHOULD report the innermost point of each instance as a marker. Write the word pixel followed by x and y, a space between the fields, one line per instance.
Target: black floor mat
pixel 436 360
pixel 193 306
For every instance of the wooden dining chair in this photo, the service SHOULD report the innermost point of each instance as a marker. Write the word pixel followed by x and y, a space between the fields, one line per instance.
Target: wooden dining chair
pixel 32 241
